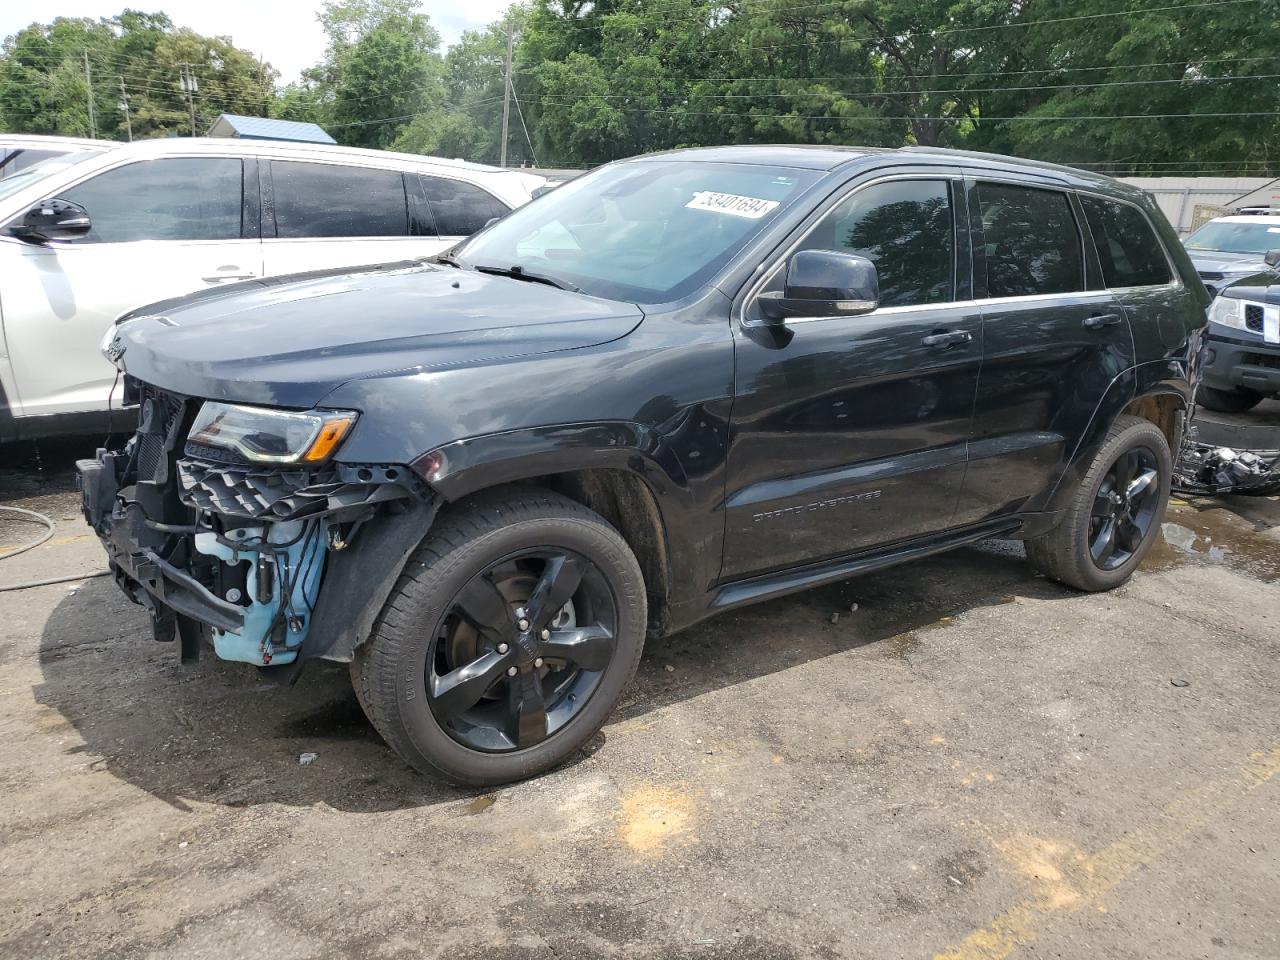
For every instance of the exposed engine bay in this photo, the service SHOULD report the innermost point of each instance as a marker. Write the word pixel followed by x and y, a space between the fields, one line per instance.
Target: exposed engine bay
pixel 240 555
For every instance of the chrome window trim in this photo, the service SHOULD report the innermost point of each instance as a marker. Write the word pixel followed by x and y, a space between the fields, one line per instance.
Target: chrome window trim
pixel 946 175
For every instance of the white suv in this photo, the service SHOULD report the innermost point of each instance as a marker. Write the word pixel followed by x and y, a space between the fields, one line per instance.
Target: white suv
pixel 159 218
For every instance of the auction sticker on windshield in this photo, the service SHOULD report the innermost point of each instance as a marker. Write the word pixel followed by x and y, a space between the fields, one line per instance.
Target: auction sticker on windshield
pixel 753 208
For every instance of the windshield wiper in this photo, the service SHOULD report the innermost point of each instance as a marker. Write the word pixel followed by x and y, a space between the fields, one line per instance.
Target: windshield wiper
pixel 517 272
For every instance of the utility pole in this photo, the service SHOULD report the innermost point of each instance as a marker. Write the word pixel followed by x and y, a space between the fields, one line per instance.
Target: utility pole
pixel 88 80
pixel 506 95
pixel 190 86
pixel 124 105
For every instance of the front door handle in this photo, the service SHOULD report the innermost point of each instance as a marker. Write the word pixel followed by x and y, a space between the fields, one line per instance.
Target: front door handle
pixel 1100 320
pixel 946 338
pixel 229 272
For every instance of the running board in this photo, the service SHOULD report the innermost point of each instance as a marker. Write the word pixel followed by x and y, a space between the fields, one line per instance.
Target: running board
pixel 741 592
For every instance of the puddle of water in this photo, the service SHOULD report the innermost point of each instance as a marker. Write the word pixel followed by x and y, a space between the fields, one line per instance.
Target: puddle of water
pixel 1214 536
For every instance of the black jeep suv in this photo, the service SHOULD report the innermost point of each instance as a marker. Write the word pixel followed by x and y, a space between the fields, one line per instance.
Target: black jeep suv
pixel 676 385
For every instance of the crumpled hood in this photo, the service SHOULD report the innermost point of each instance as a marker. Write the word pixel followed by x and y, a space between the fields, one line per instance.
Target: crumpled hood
pixel 290 341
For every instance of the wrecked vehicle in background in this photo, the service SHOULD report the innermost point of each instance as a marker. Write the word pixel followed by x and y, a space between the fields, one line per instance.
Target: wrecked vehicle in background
pixel 673 386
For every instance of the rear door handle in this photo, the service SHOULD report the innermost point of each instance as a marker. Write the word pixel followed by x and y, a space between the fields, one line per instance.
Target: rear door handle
pixel 946 338
pixel 1100 320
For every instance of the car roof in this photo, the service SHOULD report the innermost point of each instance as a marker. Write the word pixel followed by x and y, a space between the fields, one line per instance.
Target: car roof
pixel 805 156
pixel 36 140
pixel 833 157
pixel 278 148
pixel 1266 219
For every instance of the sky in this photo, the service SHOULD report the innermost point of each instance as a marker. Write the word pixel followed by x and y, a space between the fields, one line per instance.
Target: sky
pixel 285 32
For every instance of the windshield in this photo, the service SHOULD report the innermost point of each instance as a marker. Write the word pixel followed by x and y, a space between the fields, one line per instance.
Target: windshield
pixel 1224 236
pixel 646 232
pixel 23 179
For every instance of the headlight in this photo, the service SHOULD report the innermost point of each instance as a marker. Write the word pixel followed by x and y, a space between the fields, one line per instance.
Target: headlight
pixel 1228 311
pixel 271 436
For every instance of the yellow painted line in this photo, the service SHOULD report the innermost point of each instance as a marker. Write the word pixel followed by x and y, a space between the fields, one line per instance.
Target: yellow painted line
pixel 55 542
pixel 1070 882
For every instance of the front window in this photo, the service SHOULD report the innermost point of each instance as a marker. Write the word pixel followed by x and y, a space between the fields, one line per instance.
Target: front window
pixel 647 232
pixel 11 184
pixel 1223 236
pixel 904 227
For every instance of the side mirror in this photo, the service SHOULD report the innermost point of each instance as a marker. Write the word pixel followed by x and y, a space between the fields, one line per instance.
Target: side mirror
pixel 53 220
pixel 824 283
pixel 1272 258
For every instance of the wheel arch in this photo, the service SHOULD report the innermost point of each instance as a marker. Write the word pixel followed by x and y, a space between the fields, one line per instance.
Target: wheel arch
pixel 1158 391
pixel 620 470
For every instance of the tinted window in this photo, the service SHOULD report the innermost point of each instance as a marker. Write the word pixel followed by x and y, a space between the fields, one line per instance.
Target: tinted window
pixel 459 208
pixel 1032 243
pixel 197 198
pixel 13 160
pixel 905 228
pixel 330 200
pixel 1130 253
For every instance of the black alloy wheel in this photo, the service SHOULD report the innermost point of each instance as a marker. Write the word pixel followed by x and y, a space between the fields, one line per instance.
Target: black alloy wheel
pixel 520 650
pixel 1124 508
pixel 1110 516
pixel 508 639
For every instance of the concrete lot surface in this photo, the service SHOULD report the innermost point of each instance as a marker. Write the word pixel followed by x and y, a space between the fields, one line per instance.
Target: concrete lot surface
pixel 975 763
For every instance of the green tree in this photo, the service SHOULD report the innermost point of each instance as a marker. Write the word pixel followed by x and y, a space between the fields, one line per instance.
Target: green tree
pixel 43 87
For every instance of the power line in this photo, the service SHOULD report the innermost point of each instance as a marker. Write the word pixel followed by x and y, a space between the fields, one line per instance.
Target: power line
pixel 879 94
pixel 935 34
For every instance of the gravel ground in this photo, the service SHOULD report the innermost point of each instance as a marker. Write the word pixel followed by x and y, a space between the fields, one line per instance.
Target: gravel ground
pixel 975 763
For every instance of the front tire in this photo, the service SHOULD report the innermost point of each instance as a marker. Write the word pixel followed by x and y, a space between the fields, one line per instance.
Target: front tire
pixel 507 641
pixel 1115 514
pixel 1227 401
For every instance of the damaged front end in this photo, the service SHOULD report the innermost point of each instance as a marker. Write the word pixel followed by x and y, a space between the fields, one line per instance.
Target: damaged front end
pixel 233 527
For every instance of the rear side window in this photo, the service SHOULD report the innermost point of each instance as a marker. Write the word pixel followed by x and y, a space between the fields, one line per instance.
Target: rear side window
pixel 1127 246
pixel 906 229
pixel 331 200
pixel 180 198
pixel 460 209
pixel 1032 241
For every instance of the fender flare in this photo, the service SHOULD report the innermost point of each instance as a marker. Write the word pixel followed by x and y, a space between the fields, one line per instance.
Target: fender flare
pixel 463 467
pixel 1155 378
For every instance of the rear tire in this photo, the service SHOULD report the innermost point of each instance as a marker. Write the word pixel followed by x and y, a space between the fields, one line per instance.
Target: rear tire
pixel 1078 551
pixel 1227 401
pixel 452 680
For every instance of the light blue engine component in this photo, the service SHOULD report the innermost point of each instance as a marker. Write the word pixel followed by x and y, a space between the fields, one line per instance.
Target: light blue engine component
pixel 299 565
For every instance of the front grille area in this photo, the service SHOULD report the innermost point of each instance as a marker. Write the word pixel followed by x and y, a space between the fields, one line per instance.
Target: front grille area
pixel 1253 317
pixel 283 494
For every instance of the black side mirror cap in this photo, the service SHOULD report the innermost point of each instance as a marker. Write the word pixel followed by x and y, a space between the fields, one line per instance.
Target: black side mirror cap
pixel 53 219
pixel 824 283
pixel 1272 258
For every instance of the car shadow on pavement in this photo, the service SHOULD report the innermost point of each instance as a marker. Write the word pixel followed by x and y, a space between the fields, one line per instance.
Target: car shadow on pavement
pixel 213 732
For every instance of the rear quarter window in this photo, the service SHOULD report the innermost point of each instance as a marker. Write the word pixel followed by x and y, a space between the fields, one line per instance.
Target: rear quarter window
pixel 1131 254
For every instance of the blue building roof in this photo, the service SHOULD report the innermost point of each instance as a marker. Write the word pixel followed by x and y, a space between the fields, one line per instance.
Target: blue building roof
pixel 260 128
